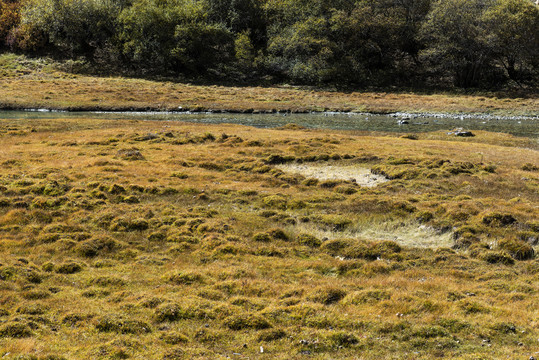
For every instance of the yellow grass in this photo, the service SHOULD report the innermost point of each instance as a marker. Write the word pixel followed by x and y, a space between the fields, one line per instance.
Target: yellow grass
pixel 37 84
pixel 160 240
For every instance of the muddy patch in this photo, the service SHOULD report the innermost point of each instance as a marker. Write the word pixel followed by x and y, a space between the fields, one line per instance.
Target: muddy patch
pixel 362 176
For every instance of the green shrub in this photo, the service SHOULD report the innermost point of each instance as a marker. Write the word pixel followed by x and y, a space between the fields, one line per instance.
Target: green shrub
pixel 278 159
pixel 504 328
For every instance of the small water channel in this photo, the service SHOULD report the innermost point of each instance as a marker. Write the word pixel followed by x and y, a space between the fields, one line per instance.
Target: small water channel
pixel 398 122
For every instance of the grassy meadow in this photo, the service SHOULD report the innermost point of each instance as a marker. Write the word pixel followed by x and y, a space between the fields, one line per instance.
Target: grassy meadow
pixel 42 83
pixel 167 240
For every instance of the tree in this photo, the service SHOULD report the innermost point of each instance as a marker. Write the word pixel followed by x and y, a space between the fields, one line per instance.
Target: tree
pixel 303 52
pixel 455 40
pixel 512 28
pixel 9 18
pixel 76 27
pixel 241 16
pixel 173 35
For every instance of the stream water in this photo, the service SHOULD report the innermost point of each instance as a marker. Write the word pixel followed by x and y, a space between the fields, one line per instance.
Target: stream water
pixel 398 122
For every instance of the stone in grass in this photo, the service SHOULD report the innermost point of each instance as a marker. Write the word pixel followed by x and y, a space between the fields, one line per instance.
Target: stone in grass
pixel 461 132
pixel 246 321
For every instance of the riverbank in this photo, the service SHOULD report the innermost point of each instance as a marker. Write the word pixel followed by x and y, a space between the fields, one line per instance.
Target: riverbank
pixel 33 83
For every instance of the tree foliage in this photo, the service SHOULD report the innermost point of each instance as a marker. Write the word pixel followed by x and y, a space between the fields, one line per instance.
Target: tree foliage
pixel 462 43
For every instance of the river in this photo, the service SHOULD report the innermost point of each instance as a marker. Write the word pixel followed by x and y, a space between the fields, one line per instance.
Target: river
pixel 398 122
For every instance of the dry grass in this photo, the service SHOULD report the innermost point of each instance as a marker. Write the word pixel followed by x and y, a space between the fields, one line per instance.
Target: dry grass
pixel 162 240
pixel 37 84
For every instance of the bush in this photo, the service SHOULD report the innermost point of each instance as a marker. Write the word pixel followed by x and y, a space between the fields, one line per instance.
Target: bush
pixel 60 22
pixel 172 36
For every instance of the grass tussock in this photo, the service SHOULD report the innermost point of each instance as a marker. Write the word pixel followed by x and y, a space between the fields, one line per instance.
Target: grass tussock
pixel 167 240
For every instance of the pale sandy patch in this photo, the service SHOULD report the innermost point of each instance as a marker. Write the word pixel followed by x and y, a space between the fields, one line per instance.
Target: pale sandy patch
pixel 361 175
pixel 408 234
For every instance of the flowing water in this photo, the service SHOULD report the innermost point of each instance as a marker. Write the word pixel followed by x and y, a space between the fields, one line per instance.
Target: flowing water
pixel 398 122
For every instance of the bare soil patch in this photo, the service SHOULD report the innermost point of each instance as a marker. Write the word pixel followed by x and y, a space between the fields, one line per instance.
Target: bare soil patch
pixel 361 175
